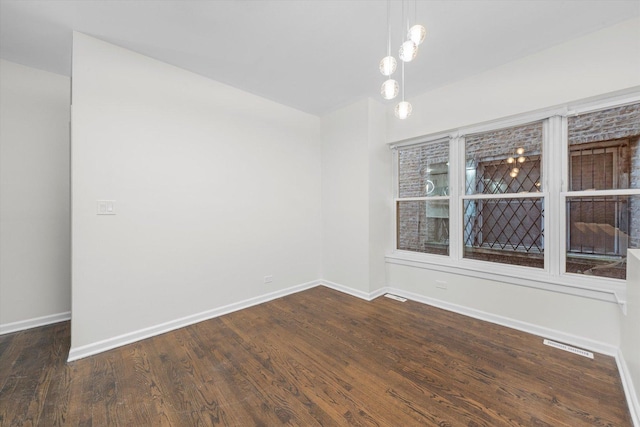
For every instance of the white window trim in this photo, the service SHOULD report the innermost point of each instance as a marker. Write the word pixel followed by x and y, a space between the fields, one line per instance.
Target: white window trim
pixel 555 175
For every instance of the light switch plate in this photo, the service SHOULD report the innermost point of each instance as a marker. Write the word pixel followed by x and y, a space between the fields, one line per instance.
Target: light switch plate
pixel 106 207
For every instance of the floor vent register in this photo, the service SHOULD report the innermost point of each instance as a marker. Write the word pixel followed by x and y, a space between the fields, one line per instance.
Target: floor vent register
pixel 568 348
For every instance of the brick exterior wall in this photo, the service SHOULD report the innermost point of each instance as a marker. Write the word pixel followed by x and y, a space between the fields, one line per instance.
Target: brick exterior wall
pixel 596 129
pixel 418 232
pixel 415 165
pixel 497 146
pixel 423 226
pixel 605 125
pixel 486 154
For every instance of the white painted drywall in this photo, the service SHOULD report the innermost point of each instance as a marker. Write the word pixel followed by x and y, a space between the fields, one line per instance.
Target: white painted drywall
pixel 597 63
pixel 381 225
pixel 34 196
pixel 215 188
pixel 594 64
pixel 345 196
pixel 630 339
pixel 591 321
pixel 356 196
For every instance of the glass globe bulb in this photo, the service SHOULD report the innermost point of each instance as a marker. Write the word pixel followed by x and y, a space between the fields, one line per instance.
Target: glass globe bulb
pixel 520 151
pixel 521 159
pixel 510 160
pixel 389 89
pixel 388 65
pixel 513 174
pixel 515 170
pixel 417 34
pixel 403 110
pixel 408 51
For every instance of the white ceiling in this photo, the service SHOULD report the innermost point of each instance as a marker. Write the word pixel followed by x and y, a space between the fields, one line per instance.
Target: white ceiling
pixel 313 55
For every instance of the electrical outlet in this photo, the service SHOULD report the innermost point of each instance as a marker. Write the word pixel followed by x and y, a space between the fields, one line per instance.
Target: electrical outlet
pixel 106 207
pixel 268 279
pixel 441 284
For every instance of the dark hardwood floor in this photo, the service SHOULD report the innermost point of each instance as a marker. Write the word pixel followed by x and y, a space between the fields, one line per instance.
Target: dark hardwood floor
pixel 318 357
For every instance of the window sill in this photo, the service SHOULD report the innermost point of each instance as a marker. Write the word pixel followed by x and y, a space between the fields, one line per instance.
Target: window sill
pixel 609 290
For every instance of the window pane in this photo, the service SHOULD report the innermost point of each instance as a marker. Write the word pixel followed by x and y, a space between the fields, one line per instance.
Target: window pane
pixel 423 226
pixel 508 231
pixel 424 170
pixel 504 161
pixel 604 149
pixel 600 230
pixel 593 169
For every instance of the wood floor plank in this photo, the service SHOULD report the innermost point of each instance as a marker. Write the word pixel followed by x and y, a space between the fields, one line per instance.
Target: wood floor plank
pixel 25 380
pixel 318 357
pixel 211 377
pixel 80 393
pixel 395 357
pixel 55 403
pixel 325 387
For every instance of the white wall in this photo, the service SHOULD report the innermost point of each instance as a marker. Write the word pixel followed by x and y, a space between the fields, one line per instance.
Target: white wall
pixel 595 64
pixel 598 63
pixel 630 342
pixel 356 196
pixel 35 284
pixel 381 204
pixel 206 203
pixel 215 188
pixel 345 198
pixel 579 321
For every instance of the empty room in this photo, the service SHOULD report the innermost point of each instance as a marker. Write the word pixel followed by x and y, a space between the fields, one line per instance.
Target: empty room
pixel 320 213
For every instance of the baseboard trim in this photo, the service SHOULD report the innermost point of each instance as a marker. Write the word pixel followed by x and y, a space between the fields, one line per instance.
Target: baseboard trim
pixel 108 344
pixel 585 343
pixel 368 296
pixel 629 390
pixel 21 325
pixel 588 344
pixel 131 337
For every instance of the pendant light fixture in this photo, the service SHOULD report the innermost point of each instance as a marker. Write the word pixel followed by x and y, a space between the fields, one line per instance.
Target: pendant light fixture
pixel 389 89
pixel 415 35
pixel 403 109
pixel 409 49
pixel 388 64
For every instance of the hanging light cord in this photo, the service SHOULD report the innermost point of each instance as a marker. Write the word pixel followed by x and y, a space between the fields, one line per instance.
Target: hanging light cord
pixel 402 22
pixel 388 28
pixel 403 16
pixel 402 81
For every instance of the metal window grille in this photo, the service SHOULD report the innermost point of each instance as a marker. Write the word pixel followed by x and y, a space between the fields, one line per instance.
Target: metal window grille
pixel 514 225
pixel 505 224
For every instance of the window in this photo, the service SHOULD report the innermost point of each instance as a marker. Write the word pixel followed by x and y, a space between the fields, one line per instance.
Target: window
pixel 503 206
pixel 422 208
pixel 603 210
pixel 558 194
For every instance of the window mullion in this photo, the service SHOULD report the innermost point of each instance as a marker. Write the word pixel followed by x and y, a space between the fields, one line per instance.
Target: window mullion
pixel 579 224
pixel 491 196
pixel 554 173
pixel 396 193
pixel 564 156
pixel 456 160
pixel 598 193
